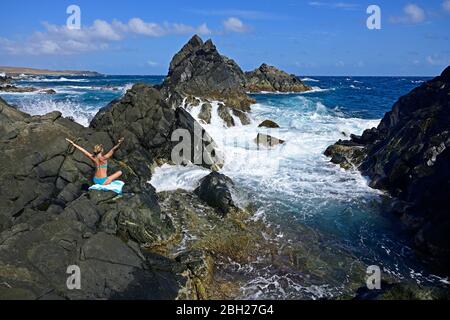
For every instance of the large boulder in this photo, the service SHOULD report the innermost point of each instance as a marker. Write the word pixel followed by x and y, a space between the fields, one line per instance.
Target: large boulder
pixel 215 190
pixel 269 124
pixel 270 79
pixel 200 70
pixel 409 156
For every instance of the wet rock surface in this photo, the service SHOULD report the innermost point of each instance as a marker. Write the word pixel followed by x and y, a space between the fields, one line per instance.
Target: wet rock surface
pixel 409 156
pixel 268 124
pixel 215 190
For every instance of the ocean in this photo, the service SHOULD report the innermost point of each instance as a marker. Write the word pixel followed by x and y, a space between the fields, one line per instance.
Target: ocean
pixel 295 189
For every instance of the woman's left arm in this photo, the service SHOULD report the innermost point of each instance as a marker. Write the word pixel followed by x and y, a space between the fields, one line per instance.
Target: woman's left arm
pixel 117 146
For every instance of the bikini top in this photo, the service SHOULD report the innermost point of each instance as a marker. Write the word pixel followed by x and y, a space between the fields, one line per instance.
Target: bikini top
pixel 105 166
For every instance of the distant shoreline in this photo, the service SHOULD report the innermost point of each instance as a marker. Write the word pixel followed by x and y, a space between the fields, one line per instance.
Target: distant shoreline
pixel 17 71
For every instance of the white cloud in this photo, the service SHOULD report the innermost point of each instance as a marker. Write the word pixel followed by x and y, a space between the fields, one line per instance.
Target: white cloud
pixel 437 60
pixel 233 24
pixel 446 5
pixel 62 40
pixel 152 63
pixel 245 14
pixel 412 13
pixel 334 5
pixel 138 26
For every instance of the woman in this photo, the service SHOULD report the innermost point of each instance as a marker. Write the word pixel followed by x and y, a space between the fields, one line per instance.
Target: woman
pixel 101 162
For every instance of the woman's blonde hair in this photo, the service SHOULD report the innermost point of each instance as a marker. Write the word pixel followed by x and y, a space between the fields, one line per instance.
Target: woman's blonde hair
pixel 98 149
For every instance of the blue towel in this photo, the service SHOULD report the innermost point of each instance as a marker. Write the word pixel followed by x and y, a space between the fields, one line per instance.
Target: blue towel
pixel 115 186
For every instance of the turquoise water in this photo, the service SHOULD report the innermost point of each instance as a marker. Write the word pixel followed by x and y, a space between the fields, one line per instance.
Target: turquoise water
pixel 294 186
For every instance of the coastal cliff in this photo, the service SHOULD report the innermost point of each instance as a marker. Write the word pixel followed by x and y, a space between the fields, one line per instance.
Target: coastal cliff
pixel 408 155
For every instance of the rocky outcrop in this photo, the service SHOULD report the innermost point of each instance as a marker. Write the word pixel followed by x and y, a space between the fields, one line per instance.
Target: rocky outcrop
pixel 268 124
pixel 225 115
pixel 200 70
pixel 4 80
pixel 269 79
pixel 205 113
pixel 149 138
pixel 215 190
pixel 409 156
pixel 14 89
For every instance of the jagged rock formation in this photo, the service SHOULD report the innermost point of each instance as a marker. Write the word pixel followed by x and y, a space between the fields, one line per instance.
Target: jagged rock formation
pixel 269 79
pixel 199 70
pixel 409 156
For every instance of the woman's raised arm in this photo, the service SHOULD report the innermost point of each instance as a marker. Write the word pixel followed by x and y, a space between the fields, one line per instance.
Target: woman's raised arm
pixel 84 151
pixel 111 152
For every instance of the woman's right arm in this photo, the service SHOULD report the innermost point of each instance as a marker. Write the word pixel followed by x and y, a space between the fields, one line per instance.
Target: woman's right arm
pixel 84 151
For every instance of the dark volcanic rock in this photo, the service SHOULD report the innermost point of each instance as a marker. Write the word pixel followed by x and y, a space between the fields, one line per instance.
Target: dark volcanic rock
pixel 270 79
pixel 268 124
pixel 200 70
pixel 243 117
pixel 149 137
pixel 14 89
pixel 225 115
pixel 4 80
pixel 49 91
pixel 215 190
pixel 409 156
pixel 205 113
pixel 49 221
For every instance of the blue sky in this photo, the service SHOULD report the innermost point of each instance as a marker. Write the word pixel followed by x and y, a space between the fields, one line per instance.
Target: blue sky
pixel 302 37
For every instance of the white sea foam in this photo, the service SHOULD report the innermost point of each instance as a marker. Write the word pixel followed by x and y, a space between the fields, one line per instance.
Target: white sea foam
pixel 297 171
pixel 68 109
pixel 126 87
pixel 167 177
pixel 318 89
pixel 310 80
pixel 61 79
